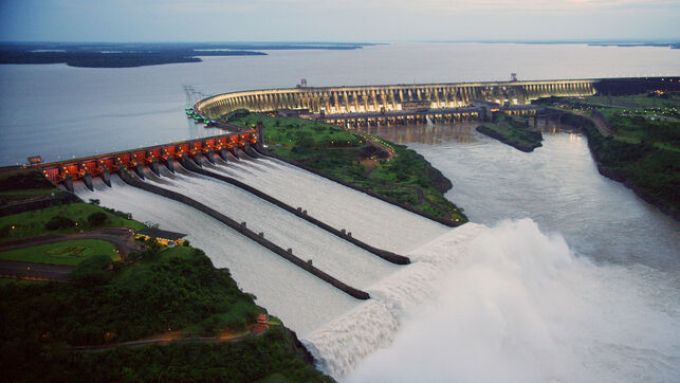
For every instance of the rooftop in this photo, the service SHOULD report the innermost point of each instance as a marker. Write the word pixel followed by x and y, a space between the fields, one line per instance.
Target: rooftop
pixel 158 233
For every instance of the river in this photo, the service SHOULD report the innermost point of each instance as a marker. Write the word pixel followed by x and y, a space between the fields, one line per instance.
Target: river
pixel 563 276
pixel 576 279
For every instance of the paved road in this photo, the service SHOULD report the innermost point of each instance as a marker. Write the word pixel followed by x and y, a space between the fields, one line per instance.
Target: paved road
pixel 38 271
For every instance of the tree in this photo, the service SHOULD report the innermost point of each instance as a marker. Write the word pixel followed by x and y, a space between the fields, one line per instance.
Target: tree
pixel 97 219
pixel 59 222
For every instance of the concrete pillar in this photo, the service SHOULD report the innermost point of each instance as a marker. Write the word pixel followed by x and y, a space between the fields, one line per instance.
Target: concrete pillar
pixel 344 101
pixel 106 176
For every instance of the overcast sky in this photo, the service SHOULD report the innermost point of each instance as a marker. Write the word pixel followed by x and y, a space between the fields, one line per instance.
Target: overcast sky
pixel 338 20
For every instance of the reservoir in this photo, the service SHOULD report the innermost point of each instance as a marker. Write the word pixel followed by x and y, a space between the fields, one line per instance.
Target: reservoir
pixel 59 112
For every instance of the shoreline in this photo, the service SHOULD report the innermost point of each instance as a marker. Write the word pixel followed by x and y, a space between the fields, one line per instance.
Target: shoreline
pixel 586 126
pixel 522 146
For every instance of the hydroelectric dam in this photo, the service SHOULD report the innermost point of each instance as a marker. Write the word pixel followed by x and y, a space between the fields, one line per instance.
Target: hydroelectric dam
pixel 397 104
pixel 325 258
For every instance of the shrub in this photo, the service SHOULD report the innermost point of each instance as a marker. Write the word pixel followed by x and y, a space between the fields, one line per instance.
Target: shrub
pixel 93 271
pixel 5 230
pixel 59 222
pixel 97 219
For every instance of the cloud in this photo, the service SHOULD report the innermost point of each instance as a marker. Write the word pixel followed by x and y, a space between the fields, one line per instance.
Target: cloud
pixel 198 20
pixel 421 6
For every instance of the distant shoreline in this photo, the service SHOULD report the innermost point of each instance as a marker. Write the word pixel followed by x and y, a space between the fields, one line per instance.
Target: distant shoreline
pixel 124 55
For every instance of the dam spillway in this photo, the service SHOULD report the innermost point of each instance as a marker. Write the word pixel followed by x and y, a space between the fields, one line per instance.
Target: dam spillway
pixel 330 253
pixel 326 251
pixel 336 205
pixel 278 285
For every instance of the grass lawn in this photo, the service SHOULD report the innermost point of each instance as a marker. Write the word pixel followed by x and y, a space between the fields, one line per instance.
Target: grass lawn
pixel 62 253
pixel 32 223
pixel 634 101
pixel 287 132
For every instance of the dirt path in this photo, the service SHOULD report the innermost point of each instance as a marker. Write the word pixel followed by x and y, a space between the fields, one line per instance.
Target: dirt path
pixel 177 338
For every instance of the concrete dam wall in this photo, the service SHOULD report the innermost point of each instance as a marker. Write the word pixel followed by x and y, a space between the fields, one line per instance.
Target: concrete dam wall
pixel 391 98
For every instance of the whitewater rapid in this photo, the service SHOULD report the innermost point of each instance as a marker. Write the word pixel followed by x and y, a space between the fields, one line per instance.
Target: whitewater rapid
pixel 507 304
pixel 341 344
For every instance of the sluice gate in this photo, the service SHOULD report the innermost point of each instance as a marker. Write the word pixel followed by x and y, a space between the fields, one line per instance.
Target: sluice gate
pixel 103 165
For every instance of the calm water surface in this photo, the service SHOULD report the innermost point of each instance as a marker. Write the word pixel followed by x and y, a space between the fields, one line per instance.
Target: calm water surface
pixel 60 112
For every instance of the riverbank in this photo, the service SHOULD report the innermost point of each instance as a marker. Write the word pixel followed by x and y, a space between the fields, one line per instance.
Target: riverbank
pixel 385 170
pixel 512 132
pixel 643 150
pixel 172 293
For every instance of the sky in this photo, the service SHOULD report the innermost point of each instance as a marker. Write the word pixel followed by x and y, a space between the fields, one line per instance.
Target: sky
pixel 338 20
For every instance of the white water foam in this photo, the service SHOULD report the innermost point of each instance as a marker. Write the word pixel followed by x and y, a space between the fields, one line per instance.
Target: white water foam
pixel 343 343
pixel 507 304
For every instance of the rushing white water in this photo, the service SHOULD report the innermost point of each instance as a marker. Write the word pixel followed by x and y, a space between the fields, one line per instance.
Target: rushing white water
pixel 376 222
pixel 331 254
pixel 344 342
pixel 514 305
pixel 300 299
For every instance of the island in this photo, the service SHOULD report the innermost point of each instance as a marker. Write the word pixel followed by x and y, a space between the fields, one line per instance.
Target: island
pixel 515 132
pixel 125 55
